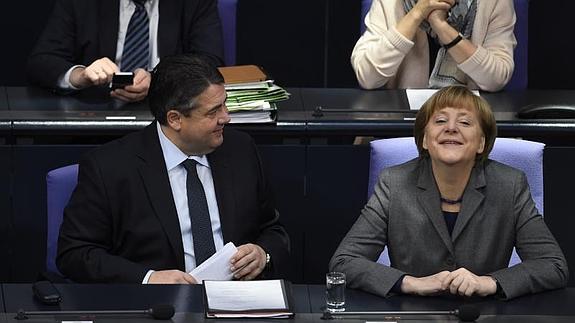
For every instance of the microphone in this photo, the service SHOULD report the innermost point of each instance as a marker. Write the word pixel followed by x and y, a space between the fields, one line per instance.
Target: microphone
pixel 158 312
pixel 466 313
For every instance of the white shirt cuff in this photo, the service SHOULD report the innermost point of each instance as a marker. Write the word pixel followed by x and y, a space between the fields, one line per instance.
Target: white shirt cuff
pixel 64 80
pixel 147 277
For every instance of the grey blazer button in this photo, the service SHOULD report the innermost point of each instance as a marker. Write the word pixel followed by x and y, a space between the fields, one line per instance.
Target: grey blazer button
pixel 450 262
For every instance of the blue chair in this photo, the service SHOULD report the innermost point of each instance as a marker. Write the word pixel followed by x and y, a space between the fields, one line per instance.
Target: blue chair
pixel 227 10
pixel 60 184
pixel 521 154
pixel 519 78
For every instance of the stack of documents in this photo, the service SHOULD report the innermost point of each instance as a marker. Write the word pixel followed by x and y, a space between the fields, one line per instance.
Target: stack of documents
pixel 237 299
pixel 254 102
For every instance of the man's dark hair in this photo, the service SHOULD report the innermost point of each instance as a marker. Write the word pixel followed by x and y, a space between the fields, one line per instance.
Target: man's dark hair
pixel 177 81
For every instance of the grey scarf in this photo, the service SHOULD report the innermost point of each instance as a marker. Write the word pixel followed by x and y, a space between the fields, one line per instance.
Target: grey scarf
pixel 461 17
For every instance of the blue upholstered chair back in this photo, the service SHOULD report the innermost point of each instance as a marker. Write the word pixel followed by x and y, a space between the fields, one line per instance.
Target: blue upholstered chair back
pixel 227 10
pixel 521 154
pixel 60 184
pixel 519 78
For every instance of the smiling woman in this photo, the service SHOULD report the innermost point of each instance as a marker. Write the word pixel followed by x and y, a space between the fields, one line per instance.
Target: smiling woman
pixel 454 128
pixel 451 217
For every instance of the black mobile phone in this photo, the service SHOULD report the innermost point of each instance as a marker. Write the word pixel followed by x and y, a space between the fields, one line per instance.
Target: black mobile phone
pixel 46 293
pixel 122 79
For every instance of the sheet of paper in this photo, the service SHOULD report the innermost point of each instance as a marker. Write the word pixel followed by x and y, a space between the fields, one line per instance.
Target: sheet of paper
pixel 245 295
pixel 217 267
pixel 417 97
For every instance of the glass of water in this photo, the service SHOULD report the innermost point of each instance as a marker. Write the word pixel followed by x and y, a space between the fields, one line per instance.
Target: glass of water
pixel 335 291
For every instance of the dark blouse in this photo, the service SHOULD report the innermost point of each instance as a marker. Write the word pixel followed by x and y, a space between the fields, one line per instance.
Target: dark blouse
pixel 450 218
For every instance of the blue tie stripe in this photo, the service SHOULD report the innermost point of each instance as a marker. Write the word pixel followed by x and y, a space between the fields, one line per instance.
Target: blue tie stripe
pixel 136 45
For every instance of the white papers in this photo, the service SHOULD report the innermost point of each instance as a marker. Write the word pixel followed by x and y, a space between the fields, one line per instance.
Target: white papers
pixel 417 97
pixel 263 298
pixel 217 267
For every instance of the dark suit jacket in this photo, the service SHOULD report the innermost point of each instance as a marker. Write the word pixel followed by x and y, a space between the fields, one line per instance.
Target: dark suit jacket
pixel 82 31
pixel 497 214
pixel 121 220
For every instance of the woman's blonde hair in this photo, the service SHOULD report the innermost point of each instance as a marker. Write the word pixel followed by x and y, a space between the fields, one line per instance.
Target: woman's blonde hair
pixel 456 97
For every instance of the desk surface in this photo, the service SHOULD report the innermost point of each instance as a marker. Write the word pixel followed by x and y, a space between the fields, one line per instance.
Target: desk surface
pixel 557 302
pixel 299 318
pixel 34 109
pixel 307 299
pixel 185 298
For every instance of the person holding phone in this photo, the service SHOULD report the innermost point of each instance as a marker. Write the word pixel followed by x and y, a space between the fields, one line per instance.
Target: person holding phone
pixel 86 42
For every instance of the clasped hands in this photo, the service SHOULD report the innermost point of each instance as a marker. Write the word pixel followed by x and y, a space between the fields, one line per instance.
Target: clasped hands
pixel 434 11
pixel 246 264
pixel 459 282
pixel 101 71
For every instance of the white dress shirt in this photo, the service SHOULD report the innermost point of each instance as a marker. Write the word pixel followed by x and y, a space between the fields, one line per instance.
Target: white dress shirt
pixel 177 174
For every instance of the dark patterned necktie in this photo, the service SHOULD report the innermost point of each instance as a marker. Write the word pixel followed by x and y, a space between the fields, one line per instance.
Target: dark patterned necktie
pixel 137 46
pixel 202 234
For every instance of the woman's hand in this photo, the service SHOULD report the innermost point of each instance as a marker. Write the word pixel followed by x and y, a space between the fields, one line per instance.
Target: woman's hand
pixel 436 17
pixel 408 25
pixel 465 283
pixel 424 286
pixel 424 8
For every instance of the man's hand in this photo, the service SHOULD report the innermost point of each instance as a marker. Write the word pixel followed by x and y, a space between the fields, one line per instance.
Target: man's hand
pixel 424 286
pixel 137 91
pixel 248 262
pixel 98 73
pixel 465 283
pixel 171 277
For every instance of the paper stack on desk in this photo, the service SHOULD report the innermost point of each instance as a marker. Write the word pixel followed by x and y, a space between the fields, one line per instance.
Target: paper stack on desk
pixel 251 98
pixel 236 299
pixel 254 102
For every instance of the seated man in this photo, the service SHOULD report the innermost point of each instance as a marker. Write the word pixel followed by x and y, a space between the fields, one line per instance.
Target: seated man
pixel 86 42
pixel 153 205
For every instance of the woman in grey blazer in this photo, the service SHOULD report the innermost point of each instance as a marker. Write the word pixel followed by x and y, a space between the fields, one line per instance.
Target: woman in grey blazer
pixel 451 217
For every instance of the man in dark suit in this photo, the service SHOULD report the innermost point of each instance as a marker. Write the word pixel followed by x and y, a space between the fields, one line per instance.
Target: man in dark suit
pixel 130 218
pixel 85 41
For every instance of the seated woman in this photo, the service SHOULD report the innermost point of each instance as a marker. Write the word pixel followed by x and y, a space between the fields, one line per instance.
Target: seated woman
pixel 451 217
pixel 467 42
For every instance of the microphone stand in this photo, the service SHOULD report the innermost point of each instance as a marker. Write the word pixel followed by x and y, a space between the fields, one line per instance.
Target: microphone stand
pixel 320 111
pixel 466 313
pixel 331 315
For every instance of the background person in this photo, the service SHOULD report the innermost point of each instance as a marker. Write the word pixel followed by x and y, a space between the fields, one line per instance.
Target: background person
pixel 86 41
pixel 435 43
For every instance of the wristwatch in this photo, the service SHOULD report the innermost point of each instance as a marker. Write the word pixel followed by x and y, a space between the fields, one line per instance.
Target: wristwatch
pixel 268 261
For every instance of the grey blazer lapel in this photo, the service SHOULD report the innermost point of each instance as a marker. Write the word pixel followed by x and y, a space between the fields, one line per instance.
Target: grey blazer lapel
pixel 428 197
pixel 472 199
